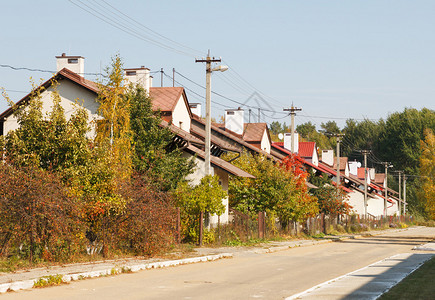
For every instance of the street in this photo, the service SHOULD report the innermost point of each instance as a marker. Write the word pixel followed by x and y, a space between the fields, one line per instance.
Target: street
pixel 248 275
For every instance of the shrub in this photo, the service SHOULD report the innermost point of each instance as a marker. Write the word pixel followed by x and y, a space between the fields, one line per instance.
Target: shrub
pixel 38 219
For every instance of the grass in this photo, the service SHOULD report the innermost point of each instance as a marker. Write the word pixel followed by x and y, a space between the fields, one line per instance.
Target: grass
pixel 419 285
pixel 49 281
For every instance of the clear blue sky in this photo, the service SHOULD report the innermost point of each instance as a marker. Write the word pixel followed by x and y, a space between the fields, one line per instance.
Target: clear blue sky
pixel 335 59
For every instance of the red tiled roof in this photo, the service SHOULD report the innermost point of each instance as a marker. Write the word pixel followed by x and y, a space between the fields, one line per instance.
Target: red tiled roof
pixel 165 98
pixel 361 173
pixel 306 149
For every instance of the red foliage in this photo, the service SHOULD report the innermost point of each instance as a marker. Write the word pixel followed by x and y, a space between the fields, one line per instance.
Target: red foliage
pixel 37 215
pixel 148 225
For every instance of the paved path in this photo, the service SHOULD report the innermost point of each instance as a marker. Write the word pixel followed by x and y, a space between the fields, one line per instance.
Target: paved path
pixel 251 273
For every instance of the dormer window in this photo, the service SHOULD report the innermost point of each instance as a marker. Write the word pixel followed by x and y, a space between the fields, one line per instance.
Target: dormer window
pixel 131 73
pixel 73 60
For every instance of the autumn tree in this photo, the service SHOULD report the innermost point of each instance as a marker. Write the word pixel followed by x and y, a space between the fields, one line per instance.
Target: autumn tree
pixel 113 129
pixel 427 173
pixel 277 188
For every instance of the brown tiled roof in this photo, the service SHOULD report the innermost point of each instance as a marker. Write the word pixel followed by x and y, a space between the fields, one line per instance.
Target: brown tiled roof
pixel 379 178
pixel 200 132
pixel 62 74
pixel 181 133
pixel 343 162
pixel 220 163
pixel 235 138
pixel 253 132
pixel 165 98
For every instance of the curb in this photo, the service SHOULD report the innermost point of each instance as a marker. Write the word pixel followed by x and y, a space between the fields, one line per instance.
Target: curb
pixel 28 284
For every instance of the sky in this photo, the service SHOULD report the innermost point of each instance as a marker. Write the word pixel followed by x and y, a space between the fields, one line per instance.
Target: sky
pixel 335 59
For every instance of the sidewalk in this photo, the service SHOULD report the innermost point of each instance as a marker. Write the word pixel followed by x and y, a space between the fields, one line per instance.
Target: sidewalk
pixel 24 279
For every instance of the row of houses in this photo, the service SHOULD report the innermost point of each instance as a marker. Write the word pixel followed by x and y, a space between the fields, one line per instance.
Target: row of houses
pixel 234 135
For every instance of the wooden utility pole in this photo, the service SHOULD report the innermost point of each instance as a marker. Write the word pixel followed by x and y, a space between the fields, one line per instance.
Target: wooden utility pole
pixel 404 194
pixel 387 165
pixel 365 152
pixel 173 77
pixel 292 111
pixel 161 77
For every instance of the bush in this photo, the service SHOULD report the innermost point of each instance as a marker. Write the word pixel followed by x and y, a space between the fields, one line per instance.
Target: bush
pixel 148 224
pixel 38 219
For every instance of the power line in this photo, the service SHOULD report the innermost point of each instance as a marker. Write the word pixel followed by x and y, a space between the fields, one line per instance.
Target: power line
pixel 40 70
pixel 126 28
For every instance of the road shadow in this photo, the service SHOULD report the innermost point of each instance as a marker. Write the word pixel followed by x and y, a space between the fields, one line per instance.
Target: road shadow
pixel 380 281
pixel 387 240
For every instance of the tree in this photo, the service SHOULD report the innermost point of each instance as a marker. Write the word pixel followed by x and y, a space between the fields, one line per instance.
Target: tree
pixel 427 171
pixel 330 127
pixel 205 197
pixel 113 129
pixel 153 155
pixel 276 188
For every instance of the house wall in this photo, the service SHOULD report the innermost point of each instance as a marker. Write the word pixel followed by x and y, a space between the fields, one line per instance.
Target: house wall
pixel 195 179
pixel 181 114
pixel 265 142
pixel 356 200
pixel 70 94
pixel 315 159
pixel 375 206
pixel 393 208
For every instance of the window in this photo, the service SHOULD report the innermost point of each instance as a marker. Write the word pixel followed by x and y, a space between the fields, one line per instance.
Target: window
pixel 73 60
pixel 230 113
pixel 131 73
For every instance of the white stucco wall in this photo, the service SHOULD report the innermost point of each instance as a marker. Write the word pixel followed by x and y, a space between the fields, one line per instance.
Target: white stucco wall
pixel 356 200
pixel 393 208
pixel 315 159
pixel 181 114
pixel 71 95
pixel 195 179
pixel 375 206
pixel 265 142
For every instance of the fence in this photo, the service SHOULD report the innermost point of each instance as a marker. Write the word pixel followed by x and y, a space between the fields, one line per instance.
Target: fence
pixel 244 227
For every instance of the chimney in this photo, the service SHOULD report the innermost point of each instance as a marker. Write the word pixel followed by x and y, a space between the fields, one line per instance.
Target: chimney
pixel 139 76
pixel 195 108
pixel 72 63
pixel 288 141
pixel 372 173
pixel 234 120
pixel 328 157
pixel 353 167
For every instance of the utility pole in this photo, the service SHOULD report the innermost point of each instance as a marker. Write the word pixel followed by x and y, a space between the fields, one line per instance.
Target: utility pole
pixel 258 115
pixel 400 191
pixel 292 111
pixel 173 77
pixel 208 70
pixel 387 165
pixel 161 77
pixel 249 121
pixel 338 136
pixel 365 152
pixel 404 194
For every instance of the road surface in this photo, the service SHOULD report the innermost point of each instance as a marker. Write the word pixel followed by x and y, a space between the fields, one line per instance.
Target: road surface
pixel 248 275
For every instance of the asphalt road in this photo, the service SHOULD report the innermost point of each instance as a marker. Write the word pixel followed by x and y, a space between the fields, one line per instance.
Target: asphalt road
pixel 247 275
